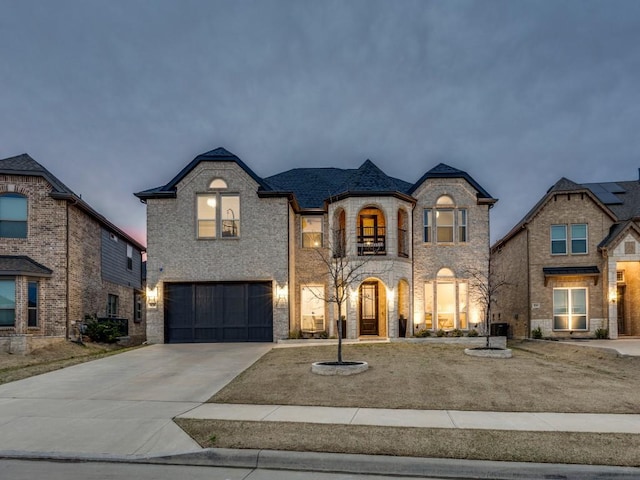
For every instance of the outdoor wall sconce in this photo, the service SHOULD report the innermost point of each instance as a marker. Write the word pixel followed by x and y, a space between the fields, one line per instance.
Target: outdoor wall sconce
pixel 613 296
pixel 152 297
pixel 282 295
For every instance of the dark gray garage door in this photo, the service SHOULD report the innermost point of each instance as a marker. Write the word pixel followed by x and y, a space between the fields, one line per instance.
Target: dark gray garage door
pixel 218 312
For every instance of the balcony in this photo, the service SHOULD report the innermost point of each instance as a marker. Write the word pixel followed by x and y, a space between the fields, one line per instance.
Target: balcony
pixel 371 241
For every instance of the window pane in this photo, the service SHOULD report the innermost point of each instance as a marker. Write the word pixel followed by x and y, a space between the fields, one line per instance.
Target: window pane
pixel 13 207
pixel 10 229
pixel 7 318
pixel 560 301
pixel 579 238
pixel 444 225
pixel 206 229
pixel 428 304
pixel 560 322
pixel 558 239
pixel 33 294
pixel 207 216
pixel 230 212
pixel 462 225
pixel 446 296
pixel 312 308
pixel 7 294
pixel 462 305
pixel 578 301
pixel 427 224
pixel 312 232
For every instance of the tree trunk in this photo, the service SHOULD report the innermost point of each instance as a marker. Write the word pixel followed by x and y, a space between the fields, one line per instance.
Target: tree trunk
pixel 339 332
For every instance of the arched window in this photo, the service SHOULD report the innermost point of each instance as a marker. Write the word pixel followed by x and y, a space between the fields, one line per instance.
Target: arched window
pixel 217 183
pixel 445 223
pixel 13 215
pixel 371 232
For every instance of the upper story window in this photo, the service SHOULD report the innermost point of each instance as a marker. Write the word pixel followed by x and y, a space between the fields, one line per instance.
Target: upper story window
pixel 560 243
pixel 218 212
pixel 129 257
pixel 312 231
pixel 13 215
pixel 445 223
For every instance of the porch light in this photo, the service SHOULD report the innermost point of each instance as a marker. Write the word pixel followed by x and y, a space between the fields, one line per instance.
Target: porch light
pixel 613 295
pixel 152 297
pixel 353 295
pixel 390 297
pixel 282 295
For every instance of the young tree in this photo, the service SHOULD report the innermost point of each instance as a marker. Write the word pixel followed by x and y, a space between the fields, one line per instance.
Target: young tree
pixel 344 272
pixel 485 286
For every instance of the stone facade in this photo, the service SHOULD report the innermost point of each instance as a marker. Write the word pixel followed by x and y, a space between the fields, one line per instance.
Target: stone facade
pixel 175 254
pixel 63 236
pixel 391 264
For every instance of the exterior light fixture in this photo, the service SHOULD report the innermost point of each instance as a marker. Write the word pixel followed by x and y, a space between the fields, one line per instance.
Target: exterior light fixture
pixel 152 297
pixel 282 295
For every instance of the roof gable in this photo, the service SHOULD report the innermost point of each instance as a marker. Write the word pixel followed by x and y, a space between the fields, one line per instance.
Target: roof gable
pixel 445 171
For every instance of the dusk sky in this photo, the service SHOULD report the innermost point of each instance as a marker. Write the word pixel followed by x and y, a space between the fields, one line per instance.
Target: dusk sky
pixel 115 96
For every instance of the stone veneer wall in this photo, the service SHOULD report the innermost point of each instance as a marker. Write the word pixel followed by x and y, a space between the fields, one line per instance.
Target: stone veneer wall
pixel 175 254
pixel 429 258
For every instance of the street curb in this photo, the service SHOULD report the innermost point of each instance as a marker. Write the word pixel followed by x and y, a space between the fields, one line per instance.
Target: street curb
pixel 355 464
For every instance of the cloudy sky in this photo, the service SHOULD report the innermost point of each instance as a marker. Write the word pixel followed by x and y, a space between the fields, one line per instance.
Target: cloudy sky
pixel 116 96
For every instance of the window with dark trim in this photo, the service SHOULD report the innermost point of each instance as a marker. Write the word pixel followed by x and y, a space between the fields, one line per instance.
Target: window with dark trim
pixel 7 303
pixel 13 215
pixel 129 257
pixel 137 305
pixel 32 304
pixel 112 305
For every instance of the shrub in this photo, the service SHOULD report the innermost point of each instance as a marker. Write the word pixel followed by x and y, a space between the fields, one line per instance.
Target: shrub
pixel 295 335
pixel 104 332
pixel 473 333
pixel 602 333
pixel 536 333
pixel 423 333
pixel 441 333
pixel 456 332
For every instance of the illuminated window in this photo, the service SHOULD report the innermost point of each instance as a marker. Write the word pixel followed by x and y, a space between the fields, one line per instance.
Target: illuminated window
pixel 312 308
pixel 446 223
pixel 312 231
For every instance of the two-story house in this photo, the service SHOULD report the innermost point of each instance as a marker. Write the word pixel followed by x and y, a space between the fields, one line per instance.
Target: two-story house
pixel 236 257
pixel 60 260
pixel 571 264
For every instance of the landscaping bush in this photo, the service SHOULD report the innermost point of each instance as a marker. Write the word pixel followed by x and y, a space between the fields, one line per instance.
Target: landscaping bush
pixel 536 333
pixel 423 333
pixel 456 332
pixel 602 333
pixel 441 333
pixel 473 333
pixel 103 331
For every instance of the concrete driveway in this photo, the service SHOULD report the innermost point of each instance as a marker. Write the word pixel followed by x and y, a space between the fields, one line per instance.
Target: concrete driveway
pixel 624 346
pixel 120 405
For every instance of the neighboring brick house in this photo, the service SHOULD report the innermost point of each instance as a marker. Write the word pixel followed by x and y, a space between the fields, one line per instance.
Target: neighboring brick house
pixel 59 261
pixel 236 257
pixel 571 264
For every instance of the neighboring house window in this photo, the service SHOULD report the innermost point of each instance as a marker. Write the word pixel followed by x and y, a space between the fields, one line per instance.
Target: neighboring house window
pixel 32 305
pixel 312 232
pixel 579 238
pixel 129 257
pixel 218 212
pixel 620 276
pixel 448 222
pixel 112 305
pixel 13 215
pixel 312 308
pixel 7 303
pixel 137 305
pixel 560 242
pixel 446 301
pixel 558 239
pixel 569 308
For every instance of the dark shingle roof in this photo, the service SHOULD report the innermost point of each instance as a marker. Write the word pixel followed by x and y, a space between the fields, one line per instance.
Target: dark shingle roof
pixel 445 171
pixel 27 166
pixel 22 265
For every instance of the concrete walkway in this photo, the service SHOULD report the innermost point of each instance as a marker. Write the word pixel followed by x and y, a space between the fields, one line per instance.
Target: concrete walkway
pixel 120 405
pixel 623 346
pixel 524 421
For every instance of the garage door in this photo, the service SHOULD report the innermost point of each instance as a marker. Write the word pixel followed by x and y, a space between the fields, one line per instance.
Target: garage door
pixel 218 312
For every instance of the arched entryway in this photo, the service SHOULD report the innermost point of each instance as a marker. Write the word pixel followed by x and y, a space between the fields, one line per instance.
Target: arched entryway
pixel 372 308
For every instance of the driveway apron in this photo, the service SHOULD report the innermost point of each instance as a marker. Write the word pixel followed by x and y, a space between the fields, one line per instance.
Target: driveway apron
pixel 120 405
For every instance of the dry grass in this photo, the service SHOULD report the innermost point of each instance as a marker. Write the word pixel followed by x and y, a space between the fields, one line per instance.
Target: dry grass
pixel 543 447
pixel 541 377
pixel 53 357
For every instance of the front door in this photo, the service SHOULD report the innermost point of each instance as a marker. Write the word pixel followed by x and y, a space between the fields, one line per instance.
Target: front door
pixel 621 324
pixel 369 308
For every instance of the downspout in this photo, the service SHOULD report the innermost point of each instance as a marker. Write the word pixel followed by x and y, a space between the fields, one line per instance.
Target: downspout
pixel 528 334
pixel 68 275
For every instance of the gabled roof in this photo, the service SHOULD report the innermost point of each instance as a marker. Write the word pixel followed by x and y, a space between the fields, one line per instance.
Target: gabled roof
pixel 617 232
pixel 314 186
pixel 564 185
pixel 445 171
pixel 22 265
pixel 219 154
pixel 24 165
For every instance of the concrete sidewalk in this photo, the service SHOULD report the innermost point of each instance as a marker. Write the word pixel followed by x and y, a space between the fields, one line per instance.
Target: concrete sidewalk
pixel 623 346
pixel 523 421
